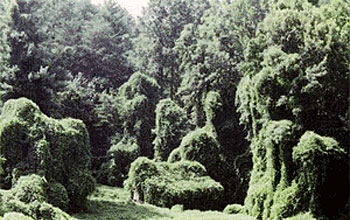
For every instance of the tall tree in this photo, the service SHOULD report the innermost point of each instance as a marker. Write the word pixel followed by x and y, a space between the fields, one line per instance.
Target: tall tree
pixel 159 27
pixel 107 44
pixel 29 74
pixel 209 54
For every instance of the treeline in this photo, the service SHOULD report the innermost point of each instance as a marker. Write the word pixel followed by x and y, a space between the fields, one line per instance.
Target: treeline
pixel 256 91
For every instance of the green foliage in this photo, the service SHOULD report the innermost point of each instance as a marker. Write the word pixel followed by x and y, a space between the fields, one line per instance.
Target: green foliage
pixel 203 145
pixel 209 53
pixel 81 99
pixel 316 179
pixel 62 55
pixel 159 27
pixel 137 101
pixel 209 57
pixel 290 70
pixel 287 178
pixel 31 142
pixel 234 209
pixel 121 155
pixel 297 68
pixel 272 151
pixel 134 103
pixel 171 126
pixel 30 188
pixel 26 74
pixel 57 196
pixel 31 196
pixel 98 42
pixel 106 43
pixel 37 210
pixel 166 184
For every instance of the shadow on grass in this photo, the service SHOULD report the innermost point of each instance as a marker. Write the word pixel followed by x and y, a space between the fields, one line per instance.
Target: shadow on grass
pixel 118 210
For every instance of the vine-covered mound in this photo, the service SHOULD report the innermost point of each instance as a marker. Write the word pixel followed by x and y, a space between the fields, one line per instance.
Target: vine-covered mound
pixel 167 184
pixel 33 143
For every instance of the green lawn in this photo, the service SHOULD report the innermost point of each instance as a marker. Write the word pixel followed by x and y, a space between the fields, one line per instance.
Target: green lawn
pixel 112 203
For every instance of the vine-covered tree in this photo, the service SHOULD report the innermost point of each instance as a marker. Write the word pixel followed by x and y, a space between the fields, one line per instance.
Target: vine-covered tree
pixel 171 124
pixel 297 68
pixel 137 100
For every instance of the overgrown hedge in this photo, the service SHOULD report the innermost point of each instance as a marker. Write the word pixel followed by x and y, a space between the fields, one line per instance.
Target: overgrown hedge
pixel 167 184
pixel 59 150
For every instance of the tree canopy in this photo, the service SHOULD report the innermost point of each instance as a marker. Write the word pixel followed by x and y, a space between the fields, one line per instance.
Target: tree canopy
pixel 251 97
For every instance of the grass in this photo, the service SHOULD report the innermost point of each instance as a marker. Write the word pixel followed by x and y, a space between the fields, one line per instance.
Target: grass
pixel 110 203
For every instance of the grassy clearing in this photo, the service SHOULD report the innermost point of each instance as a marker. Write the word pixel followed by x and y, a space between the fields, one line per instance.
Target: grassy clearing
pixel 108 203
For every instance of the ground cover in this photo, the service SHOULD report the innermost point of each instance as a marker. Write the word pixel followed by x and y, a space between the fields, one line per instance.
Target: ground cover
pixel 108 203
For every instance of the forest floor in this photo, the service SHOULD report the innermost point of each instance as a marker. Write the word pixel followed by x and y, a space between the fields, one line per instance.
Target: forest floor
pixel 111 203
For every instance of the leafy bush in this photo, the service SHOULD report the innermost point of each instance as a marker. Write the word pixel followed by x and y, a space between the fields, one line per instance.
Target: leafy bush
pixel 171 126
pixel 167 184
pixel 35 197
pixel 29 189
pixel 31 142
pixel 234 209
pixel 36 210
pixel 201 146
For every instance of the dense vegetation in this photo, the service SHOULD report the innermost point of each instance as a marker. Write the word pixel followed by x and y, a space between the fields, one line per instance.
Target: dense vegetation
pixel 201 104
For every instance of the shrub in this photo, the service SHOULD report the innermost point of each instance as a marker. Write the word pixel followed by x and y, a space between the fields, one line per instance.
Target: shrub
pixel 171 126
pixel 234 209
pixel 167 184
pixel 135 104
pixel 36 210
pixel 59 150
pixel 32 194
pixel 29 189
pixel 200 145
